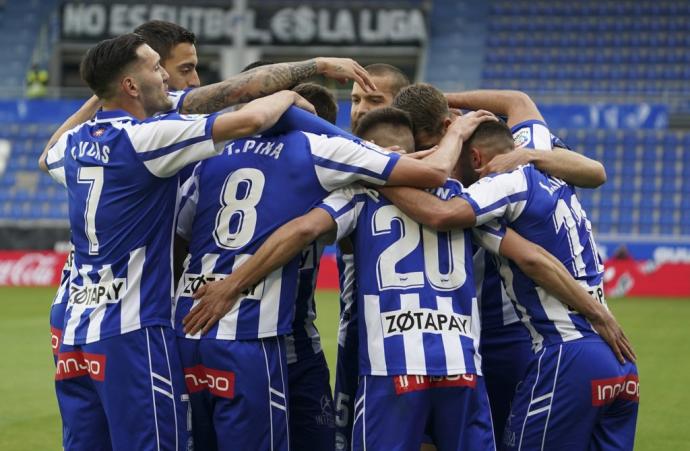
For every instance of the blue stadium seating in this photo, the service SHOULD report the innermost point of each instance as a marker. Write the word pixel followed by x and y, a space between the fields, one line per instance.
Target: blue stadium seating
pixel 590 46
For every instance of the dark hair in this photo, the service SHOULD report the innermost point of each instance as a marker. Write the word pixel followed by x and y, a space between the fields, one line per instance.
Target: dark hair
pixel 381 116
pixel 398 79
pixel 322 99
pixel 104 62
pixel 426 105
pixel 493 136
pixel 162 36
pixel 256 64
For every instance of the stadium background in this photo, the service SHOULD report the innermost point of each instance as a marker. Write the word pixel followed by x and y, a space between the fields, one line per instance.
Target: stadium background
pixel 611 77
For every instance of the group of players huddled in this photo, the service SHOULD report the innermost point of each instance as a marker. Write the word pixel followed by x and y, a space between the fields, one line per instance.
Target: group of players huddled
pixel 472 308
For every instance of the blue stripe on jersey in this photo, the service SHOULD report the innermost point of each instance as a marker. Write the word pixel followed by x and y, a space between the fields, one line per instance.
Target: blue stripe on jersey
pixel 329 164
pixel 58 164
pixel 306 340
pixel 501 202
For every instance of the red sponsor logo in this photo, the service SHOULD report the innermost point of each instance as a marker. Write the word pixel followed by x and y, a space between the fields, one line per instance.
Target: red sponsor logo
pixel 55 339
pixel 77 363
pixel 406 384
pixel 219 383
pixel 606 391
pixel 30 268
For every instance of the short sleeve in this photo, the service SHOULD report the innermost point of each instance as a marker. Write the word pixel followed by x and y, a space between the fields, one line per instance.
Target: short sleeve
pixel 177 98
pixel 344 206
pixel 490 235
pixel 532 134
pixel 55 159
pixel 498 196
pixel 189 198
pixel 340 161
pixel 168 143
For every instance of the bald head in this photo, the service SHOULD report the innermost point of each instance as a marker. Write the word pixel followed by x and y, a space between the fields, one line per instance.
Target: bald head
pixel 389 80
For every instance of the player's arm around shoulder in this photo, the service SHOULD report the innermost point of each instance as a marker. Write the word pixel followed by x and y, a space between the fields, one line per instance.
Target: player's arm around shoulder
pixel 216 299
pixel 257 116
pixel 550 274
pixel 430 210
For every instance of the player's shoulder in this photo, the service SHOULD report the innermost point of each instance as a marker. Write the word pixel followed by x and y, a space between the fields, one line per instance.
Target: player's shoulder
pixel 533 133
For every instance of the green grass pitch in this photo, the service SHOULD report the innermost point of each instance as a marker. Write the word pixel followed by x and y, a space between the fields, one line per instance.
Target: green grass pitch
pixel 29 418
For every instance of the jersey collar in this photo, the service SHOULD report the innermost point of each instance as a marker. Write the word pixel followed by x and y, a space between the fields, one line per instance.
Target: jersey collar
pixel 113 116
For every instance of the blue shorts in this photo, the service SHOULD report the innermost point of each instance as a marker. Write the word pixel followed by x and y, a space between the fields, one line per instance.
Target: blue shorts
pixel 395 412
pixel 575 396
pixel 238 391
pixel 122 393
pixel 506 353
pixel 312 424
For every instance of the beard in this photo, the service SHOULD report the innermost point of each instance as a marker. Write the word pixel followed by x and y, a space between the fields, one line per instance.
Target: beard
pixel 155 99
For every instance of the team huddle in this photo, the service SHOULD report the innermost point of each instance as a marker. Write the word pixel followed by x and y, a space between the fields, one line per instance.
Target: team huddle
pixel 472 317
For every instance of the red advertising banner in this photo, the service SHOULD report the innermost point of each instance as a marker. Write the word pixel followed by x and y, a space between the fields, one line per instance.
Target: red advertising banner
pixel 646 278
pixel 31 269
pixel 622 278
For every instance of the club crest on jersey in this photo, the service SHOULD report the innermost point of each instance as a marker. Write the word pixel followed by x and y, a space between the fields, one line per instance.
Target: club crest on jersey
pixel 522 137
pixel 91 295
pixel 98 132
pixel 425 320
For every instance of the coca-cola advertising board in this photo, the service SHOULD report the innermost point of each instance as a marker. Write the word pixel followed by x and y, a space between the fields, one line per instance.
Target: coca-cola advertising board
pixel 31 269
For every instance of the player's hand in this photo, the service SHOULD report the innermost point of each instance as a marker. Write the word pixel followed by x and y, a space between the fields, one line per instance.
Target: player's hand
pixel 343 70
pixel 215 300
pixel 422 154
pixel 506 162
pixel 608 328
pixel 303 103
pixel 467 123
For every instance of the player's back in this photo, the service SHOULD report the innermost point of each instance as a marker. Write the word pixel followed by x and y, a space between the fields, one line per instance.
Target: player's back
pixel 121 188
pixel 546 211
pixel 243 195
pixel 415 291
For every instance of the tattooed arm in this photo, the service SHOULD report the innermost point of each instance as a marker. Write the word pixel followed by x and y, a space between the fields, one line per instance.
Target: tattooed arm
pixel 265 80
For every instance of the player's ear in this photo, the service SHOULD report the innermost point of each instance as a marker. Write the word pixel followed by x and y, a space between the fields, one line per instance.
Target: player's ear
pixel 475 157
pixel 446 123
pixel 129 86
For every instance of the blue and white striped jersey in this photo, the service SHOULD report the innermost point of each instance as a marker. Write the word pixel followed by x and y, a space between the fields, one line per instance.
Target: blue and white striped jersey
pixel 546 211
pixel 122 199
pixel 495 306
pixel 233 203
pixel 305 340
pixel 415 295
pixel 62 294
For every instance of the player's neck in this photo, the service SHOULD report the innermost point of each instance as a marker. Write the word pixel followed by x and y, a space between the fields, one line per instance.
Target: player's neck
pixel 135 109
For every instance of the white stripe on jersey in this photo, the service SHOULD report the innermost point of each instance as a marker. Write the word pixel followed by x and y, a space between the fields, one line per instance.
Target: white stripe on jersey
pixel 339 161
pixel 208 266
pixel 96 316
pixel 269 303
pixel 130 308
pixel 413 340
pixel 375 349
pixel 558 313
pixel 500 196
pixel 75 310
pixel 455 362
pixel 476 334
pixel 507 276
pixel 347 296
